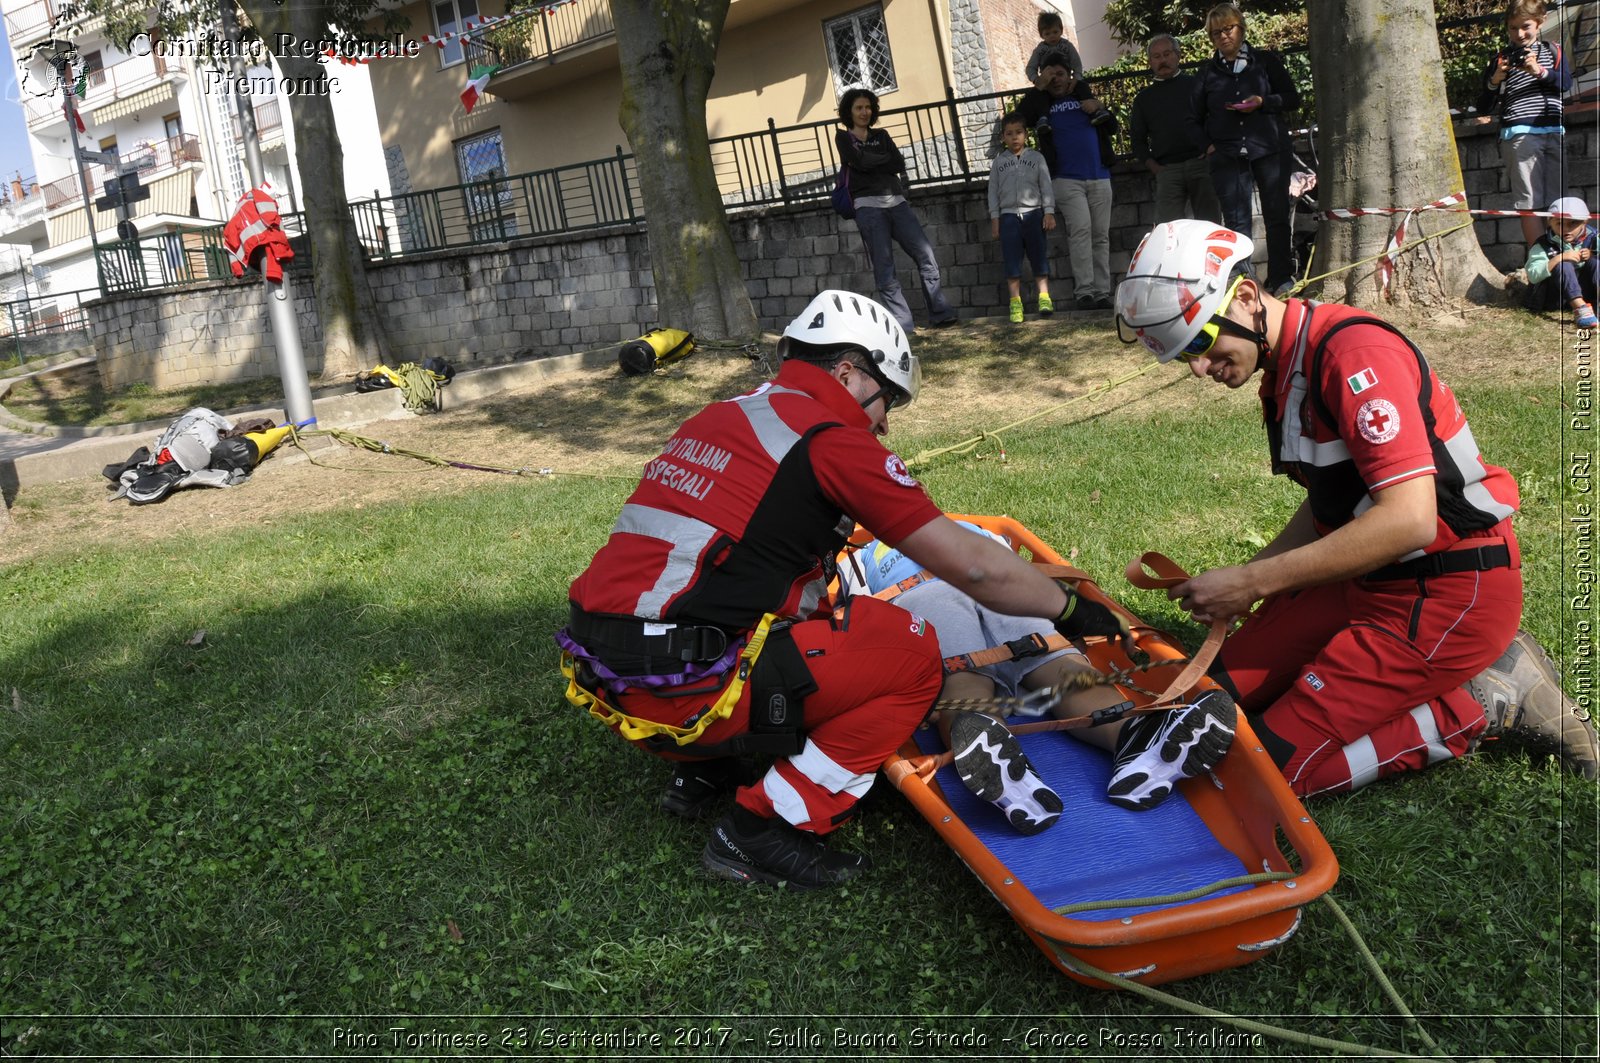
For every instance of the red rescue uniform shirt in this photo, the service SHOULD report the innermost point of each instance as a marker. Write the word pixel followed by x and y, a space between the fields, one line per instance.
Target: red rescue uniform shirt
pixel 746 506
pixel 1369 413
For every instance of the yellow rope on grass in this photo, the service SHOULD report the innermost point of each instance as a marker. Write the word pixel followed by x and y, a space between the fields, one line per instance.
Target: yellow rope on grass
pixel 379 446
pixel 1382 254
pixel 968 445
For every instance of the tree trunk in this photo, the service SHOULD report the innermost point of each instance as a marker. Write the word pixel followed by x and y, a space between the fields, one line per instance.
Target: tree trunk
pixel 668 53
pixel 353 337
pixel 1386 141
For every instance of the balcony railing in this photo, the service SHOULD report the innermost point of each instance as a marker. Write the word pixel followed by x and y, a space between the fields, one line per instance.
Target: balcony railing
pixel 148 158
pixel 37 315
pixel 269 119
pixel 29 20
pixel 102 86
pixel 541 38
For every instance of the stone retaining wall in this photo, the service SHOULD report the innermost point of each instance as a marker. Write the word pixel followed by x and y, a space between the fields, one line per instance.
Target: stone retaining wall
pixel 555 295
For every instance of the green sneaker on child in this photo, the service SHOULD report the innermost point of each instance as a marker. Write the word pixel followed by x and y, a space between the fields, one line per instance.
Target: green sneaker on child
pixel 1016 311
pixel 1047 305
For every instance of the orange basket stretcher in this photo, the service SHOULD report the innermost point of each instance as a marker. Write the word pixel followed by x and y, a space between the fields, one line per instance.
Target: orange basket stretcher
pixel 1151 896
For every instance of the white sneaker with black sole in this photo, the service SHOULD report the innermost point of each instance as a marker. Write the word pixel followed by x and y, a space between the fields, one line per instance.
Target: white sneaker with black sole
pixel 991 763
pixel 1156 750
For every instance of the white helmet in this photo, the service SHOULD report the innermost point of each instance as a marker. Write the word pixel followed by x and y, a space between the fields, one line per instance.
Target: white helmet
pixel 837 320
pixel 1179 276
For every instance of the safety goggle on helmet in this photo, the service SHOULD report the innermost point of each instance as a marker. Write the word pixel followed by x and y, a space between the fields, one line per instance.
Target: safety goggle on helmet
pixel 835 320
pixel 1180 277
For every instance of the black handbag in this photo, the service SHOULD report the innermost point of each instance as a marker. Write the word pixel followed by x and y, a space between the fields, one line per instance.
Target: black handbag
pixel 844 204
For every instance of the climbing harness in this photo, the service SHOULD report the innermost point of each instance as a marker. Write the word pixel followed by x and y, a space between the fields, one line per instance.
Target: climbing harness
pixel 588 695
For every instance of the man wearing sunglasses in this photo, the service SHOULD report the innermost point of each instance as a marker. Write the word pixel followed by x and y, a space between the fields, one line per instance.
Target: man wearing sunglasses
pixel 1387 636
pixel 724 552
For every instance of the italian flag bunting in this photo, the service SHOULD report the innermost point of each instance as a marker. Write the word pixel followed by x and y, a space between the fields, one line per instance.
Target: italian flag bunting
pixel 476 83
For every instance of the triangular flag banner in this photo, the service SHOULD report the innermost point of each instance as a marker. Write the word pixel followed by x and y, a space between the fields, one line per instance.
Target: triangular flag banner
pixel 476 84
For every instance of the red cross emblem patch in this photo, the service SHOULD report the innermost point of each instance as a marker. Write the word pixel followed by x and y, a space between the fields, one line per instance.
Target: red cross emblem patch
pixel 1378 421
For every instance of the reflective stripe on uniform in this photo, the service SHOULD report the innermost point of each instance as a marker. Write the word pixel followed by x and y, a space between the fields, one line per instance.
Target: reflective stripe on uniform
pixel 775 437
pixel 786 800
pixel 823 770
pixel 688 537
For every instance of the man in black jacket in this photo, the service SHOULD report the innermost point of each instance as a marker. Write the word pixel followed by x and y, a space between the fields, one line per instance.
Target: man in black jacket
pixel 1163 134
pixel 1073 130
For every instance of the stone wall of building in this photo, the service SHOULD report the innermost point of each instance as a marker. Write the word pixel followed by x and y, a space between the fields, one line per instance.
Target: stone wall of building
pixel 544 296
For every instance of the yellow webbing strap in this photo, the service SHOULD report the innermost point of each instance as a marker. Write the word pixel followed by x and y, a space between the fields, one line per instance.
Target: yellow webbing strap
pixel 634 729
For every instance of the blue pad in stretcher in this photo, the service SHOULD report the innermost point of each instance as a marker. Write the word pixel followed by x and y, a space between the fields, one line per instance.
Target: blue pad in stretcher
pixel 1096 851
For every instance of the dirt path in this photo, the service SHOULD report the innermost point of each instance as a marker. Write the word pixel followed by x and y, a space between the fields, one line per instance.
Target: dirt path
pixel 598 422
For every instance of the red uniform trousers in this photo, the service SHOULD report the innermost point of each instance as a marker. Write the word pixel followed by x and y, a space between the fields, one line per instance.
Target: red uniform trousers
pixel 1364 679
pixel 878 671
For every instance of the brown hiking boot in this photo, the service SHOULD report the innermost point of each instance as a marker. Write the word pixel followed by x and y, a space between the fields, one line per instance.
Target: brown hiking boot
pixel 1522 697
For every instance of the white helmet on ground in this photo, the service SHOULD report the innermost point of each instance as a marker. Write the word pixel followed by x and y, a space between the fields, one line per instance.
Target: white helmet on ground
pixel 836 321
pixel 1180 275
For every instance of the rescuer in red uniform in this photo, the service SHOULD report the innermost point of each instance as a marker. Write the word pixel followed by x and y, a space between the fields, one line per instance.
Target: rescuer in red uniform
pixel 1387 636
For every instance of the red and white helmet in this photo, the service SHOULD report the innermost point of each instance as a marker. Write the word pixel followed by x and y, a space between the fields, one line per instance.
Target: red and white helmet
pixel 837 320
pixel 1178 277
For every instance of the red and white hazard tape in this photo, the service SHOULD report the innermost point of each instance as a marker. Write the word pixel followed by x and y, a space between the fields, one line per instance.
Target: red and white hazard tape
pixel 1358 212
pixel 1454 203
pixel 1397 239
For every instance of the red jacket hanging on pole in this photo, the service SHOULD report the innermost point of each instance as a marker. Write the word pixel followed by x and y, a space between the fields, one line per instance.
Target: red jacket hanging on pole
pixel 253 238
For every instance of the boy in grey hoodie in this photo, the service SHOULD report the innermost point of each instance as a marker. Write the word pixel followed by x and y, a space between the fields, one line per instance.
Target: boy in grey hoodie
pixel 1022 208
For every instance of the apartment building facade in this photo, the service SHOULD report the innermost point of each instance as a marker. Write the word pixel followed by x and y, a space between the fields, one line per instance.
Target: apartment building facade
pixel 167 113
pixel 555 99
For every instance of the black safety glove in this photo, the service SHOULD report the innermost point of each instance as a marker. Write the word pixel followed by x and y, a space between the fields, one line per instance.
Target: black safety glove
pixel 1083 618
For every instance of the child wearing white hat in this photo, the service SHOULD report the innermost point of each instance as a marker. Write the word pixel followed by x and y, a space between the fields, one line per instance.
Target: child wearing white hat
pixel 1565 257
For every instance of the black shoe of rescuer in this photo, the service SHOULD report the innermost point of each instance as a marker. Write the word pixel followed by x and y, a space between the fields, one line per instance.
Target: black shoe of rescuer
pixel 696 785
pixel 773 852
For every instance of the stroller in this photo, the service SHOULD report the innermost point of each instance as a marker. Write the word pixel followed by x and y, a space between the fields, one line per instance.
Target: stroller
pixel 1303 210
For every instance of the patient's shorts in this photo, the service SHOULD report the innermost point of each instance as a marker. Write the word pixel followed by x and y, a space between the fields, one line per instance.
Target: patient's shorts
pixel 965 626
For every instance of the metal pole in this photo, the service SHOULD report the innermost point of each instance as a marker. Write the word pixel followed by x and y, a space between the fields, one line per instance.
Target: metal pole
pixel 65 74
pixel 280 303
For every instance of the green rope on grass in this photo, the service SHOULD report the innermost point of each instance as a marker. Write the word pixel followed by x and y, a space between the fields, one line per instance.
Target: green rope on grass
pixel 378 446
pixel 1348 1048
pixel 1381 254
pixel 1253 1025
pixel 1377 971
pixel 1178 898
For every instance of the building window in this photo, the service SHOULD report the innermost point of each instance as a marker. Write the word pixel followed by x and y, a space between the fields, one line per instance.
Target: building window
pixel 858 51
pixel 487 195
pixel 450 17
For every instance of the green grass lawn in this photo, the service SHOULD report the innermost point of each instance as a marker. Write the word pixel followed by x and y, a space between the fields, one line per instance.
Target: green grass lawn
pixel 362 794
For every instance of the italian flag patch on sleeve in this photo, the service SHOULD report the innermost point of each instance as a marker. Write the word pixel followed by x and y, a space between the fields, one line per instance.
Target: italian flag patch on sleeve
pixel 1362 381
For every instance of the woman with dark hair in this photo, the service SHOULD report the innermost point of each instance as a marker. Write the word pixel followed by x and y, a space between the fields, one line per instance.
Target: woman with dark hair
pixel 1239 105
pixel 877 185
